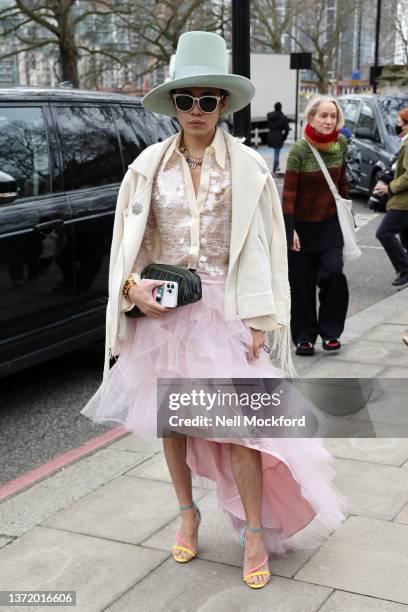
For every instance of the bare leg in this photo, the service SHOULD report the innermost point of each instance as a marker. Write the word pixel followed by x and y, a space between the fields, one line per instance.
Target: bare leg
pixel 247 471
pixel 175 453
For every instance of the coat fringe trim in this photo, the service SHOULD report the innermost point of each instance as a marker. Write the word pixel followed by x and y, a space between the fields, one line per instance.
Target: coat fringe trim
pixel 279 341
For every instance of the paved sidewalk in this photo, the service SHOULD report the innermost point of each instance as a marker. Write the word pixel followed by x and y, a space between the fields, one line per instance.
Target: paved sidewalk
pixel 104 525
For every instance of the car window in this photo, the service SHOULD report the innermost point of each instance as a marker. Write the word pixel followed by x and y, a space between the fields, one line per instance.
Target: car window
pixel 143 128
pixel 24 149
pixel 131 135
pixel 350 109
pixel 390 108
pixel 367 120
pixel 150 127
pixel 90 146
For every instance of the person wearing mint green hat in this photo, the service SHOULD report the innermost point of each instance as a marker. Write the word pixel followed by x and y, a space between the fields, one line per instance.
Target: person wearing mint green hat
pixel 204 200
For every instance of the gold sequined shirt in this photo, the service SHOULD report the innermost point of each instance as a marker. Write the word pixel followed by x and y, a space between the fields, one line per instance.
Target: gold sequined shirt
pixel 194 230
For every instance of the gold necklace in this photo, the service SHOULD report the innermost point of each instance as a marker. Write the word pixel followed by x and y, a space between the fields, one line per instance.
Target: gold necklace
pixel 193 162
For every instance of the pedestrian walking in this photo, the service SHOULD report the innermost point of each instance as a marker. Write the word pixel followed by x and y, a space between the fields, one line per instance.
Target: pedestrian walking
pixel 278 126
pixel 313 231
pixel 203 200
pixel 395 220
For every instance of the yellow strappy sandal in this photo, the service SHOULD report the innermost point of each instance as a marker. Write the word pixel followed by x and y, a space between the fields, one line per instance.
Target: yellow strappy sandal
pixel 254 570
pixel 184 546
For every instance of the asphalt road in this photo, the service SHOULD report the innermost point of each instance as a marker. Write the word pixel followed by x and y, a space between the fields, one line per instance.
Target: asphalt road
pixel 39 410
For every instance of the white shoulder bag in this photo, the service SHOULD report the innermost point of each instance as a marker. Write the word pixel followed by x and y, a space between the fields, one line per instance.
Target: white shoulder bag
pixel 344 212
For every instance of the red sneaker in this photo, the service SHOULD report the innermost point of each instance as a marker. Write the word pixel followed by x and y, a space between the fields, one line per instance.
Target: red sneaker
pixel 331 345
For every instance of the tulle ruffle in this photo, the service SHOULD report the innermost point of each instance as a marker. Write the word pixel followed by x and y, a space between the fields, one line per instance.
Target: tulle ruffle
pixel 300 506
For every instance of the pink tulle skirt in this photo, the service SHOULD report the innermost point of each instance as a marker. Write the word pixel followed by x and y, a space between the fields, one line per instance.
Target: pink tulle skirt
pixel 300 506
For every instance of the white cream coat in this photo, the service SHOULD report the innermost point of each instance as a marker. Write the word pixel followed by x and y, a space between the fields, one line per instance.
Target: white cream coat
pixel 257 287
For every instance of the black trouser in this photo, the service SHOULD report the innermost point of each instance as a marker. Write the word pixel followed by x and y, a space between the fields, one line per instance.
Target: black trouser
pixel 325 271
pixel 395 222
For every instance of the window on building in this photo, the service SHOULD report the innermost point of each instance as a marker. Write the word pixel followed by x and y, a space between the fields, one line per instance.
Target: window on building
pixel 90 146
pixel 24 149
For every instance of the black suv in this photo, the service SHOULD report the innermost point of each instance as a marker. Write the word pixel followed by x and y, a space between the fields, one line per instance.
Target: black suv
pixel 63 154
pixel 371 120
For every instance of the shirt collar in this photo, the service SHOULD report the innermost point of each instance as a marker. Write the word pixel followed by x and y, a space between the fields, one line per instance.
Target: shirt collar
pixel 404 138
pixel 218 147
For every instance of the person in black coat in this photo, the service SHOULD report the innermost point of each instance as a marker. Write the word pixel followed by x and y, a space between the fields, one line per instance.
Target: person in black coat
pixel 278 126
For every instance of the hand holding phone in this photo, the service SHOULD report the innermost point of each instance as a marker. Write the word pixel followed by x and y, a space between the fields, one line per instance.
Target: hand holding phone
pixel 166 295
pixel 142 297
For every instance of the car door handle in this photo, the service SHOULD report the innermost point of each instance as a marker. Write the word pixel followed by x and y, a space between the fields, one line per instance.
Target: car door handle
pixel 49 225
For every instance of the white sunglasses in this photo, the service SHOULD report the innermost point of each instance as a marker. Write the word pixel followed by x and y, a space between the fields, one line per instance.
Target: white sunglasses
pixel 206 104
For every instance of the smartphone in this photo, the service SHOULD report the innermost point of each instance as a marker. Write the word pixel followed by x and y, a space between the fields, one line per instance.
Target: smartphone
pixel 166 295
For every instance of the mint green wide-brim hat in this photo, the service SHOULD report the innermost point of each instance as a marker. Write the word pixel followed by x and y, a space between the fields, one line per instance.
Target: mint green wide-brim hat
pixel 201 61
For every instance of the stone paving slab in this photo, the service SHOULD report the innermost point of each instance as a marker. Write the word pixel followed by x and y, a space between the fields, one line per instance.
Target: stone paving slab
pixel 386 333
pixel 394 384
pixel 155 468
pixel 211 586
pixel 29 508
pixel 402 516
pixel 386 311
pixel 346 427
pixel 387 451
pixel 340 601
pixel 219 542
pixel 336 368
pixel 390 409
pixel 99 571
pixel 371 490
pixel 363 351
pixel 4 541
pixel 365 556
pixel 126 510
pixel 138 445
pixel 401 318
pixel 394 372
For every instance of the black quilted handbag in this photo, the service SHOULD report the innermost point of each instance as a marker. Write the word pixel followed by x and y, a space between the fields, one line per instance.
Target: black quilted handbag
pixel 189 284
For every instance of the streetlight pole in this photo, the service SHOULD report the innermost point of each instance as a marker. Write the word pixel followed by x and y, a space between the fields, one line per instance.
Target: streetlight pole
pixel 377 45
pixel 241 61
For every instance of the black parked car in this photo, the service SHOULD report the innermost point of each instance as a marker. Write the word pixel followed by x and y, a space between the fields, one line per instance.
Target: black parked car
pixel 371 120
pixel 63 154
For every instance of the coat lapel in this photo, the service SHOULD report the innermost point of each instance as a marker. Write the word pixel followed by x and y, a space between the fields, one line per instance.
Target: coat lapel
pixel 248 180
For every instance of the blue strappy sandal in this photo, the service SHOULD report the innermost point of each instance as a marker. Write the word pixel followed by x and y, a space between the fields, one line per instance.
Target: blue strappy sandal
pixel 184 546
pixel 254 571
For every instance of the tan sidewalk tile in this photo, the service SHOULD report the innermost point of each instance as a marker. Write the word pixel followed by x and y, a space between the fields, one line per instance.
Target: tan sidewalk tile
pixel 219 542
pixel 210 587
pixel 364 556
pixel 98 570
pixel 371 490
pixel 387 451
pixel 349 602
pixel 126 510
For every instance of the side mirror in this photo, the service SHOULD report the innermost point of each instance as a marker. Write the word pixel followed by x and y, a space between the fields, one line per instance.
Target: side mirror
pixel 8 188
pixel 366 134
